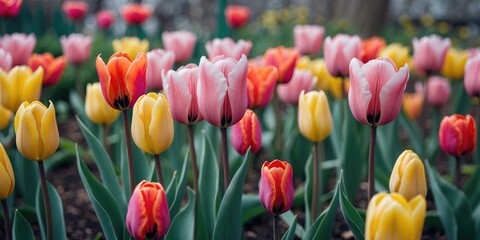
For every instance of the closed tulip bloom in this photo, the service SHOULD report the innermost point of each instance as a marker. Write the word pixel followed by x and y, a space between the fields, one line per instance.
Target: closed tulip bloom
pixel 75 10
pixel 96 108
pixel 276 187
pixel 339 51
pixel 182 43
pixel 247 133
pixel 122 80
pixel 408 176
pixel 147 214
pixel 472 76
pixel 308 39
pixel 376 90
pixel 136 13
pixel 391 216
pixel 228 48
pixel 371 47
pixel 284 59
pixel 5 60
pixel 20 46
pixel 454 64
pixel 222 90
pixel 5 117
pixel 237 16
pixel 105 19
pixel 180 88
pixel 76 47
pixel 261 82
pixel 458 135
pixel 130 45
pixel 53 67
pixel 397 52
pixel 158 60
pixel 438 91
pixel 152 123
pixel 36 130
pixel 413 102
pixel 302 80
pixel 18 85
pixel 10 8
pixel 7 177
pixel 429 53
pixel 314 117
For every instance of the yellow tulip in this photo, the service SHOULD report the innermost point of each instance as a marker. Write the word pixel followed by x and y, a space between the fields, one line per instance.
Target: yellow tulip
pixel 325 81
pixel 396 52
pixel 391 216
pixel 96 108
pixel 18 85
pixel 408 176
pixel 5 116
pixel 36 130
pixel 131 45
pixel 7 178
pixel 314 118
pixel 454 64
pixel 152 123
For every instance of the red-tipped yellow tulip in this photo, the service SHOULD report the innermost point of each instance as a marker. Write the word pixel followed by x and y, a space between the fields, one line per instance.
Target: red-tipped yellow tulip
pixel 314 118
pixel 247 133
pixel 18 85
pixel 52 67
pixel 97 110
pixel 7 177
pixel 284 59
pixel 458 135
pixel 408 176
pixel 276 187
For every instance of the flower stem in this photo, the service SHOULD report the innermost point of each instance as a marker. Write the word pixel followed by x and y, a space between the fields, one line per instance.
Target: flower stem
pixel 6 218
pixel 371 162
pixel 276 231
pixel 46 200
pixel 458 176
pixel 129 151
pixel 317 187
pixel 193 154
pixel 226 167
pixel 78 81
pixel 158 168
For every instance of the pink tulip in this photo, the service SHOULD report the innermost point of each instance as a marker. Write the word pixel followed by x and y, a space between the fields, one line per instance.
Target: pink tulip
pixel 76 47
pixel 429 53
pixel 247 133
pixel 105 19
pixel 228 48
pixel 376 90
pixel 222 90
pixel 339 51
pixel 472 76
pixel 472 52
pixel 75 10
pixel 10 8
pixel 302 80
pixel 276 187
pixel 438 91
pixel 180 88
pixel 157 61
pixel 20 46
pixel 284 59
pixel 308 38
pixel 182 43
pixel 5 60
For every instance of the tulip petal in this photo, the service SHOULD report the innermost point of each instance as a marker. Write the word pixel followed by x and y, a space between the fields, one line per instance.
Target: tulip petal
pixel 49 132
pixel 105 79
pixel 394 223
pixel 418 207
pixel 237 89
pixel 359 95
pixel 135 79
pixel 391 96
pixel 137 215
pixel 32 86
pixel 178 95
pixel 161 216
pixel 413 180
pixel 161 125
pixel 211 89
pixel 27 137
pixel 138 128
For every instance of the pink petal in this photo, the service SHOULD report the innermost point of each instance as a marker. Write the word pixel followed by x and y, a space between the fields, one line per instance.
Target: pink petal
pixel 237 89
pixel 391 96
pixel 359 95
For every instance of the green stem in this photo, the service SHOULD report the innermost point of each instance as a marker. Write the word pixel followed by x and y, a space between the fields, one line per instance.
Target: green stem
pixel 158 168
pixel 276 231
pixel 226 167
pixel 278 134
pixel 458 176
pixel 78 81
pixel 6 218
pixel 193 154
pixel 317 187
pixel 46 200
pixel 128 142
pixel 371 162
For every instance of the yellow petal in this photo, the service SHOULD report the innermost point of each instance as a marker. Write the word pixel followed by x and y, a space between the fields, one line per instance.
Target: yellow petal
pixel 27 137
pixel 7 177
pixel 418 208
pixel 5 117
pixel 138 128
pixel 413 181
pixel 49 132
pixel 32 87
pixel 161 126
pixel 322 117
pixel 395 223
pixel 305 120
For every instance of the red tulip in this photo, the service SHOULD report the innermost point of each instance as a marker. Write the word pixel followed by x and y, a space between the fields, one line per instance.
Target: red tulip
pixel 247 133
pixel 228 48
pixel 237 16
pixel 147 214
pixel 458 135
pixel 438 91
pixel 371 47
pixel 429 53
pixel 302 80
pixel 5 60
pixel 157 61
pixel 122 80
pixel 10 8
pixel 105 19
pixel 308 38
pixel 472 76
pixel 284 59
pixel 20 46
pixel 276 187
pixel 339 51
pixel 261 82
pixel 182 43
pixel 76 47
pixel 53 67
pixel 136 13
pixel 75 10
pixel 376 90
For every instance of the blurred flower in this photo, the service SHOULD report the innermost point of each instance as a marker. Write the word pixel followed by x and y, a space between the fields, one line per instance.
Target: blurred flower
pixel 7 177
pixel 237 16
pixel 20 46
pixel 228 48
pixel 105 19
pixel 76 47
pixel 339 51
pixel 427 20
pixel 75 10
pixel 413 102
pixel 458 135
pixel 408 176
pixel 314 117
pixel 180 88
pixel 443 27
pixel 96 108
pixel 302 80
pixel 472 52
pixel 371 47
pixel 222 90
pixel 392 215
pixel 429 53
pixel 308 39
pixel 130 45
pixel 5 117
pixel 5 60
pixel 438 91
pixel 454 64
pixel 284 59
pixel 52 67
pixel 247 133
pixel 276 187
pixel 10 8
pixel 36 130
pixel 261 82
pixel 18 85
pixel 147 214
pixel 182 43
pixel 376 90
pixel 472 76
pixel 158 60
pixel 122 80
pixel 152 123
pixel 397 52
pixel 135 13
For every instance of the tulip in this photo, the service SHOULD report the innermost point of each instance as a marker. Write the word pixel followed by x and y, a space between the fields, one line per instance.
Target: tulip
pixel 276 187
pixel 458 135
pixel 391 216
pixel 182 43
pixel 53 67
pixel 429 53
pixel 36 130
pixel 96 108
pixel 472 52
pixel 247 133
pixel 158 60
pixel 152 123
pixel 228 48
pixel 10 8
pixel 136 13
pixel 237 15
pixel 5 116
pixel 408 176
pixel 261 82
pixel 7 177
pixel 147 214
pixel 105 19
pixel 472 76
pixel 75 10
pixel 325 81
pixel 376 90
pixel 5 60
pixel 314 117
pixel 339 51
pixel 19 45
pixel 454 64
pixel 438 91
pixel 76 47
pixel 396 52
pixel 18 85
pixel 130 45
pixel 180 88
pixel 308 39
pixel 413 102
pixel 284 59
pixel 302 80
pixel 370 48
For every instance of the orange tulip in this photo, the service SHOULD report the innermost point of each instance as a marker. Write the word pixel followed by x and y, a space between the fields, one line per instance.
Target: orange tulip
pixel 53 67
pixel 260 85
pixel 413 102
pixel 276 187
pixel 285 59
pixel 371 48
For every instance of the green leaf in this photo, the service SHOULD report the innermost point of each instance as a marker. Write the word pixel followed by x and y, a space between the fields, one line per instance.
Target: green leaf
pixel 414 134
pixel 471 189
pixel 21 229
pixel 353 219
pixel 26 173
pixel 251 207
pixel 388 147
pixel 78 105
pixel 58 223
pixel 289 217
pixel 180 190
pixel 476 217
pixel 308 191
pixel 291 230
pixel 182 225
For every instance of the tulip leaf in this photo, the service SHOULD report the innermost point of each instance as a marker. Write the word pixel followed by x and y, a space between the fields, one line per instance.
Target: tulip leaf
pixel 182 224
pixel 251 207
pixel 476 218
pixel 461 100
pixel 79 107
pixel 171 189
pixel 290 234
pixel 289 217
pixel 229 218
pixel 58 222
pixel 142 165
pixel 388 145
pixel 414 133
pixel 180 190
pixel 308 191
pixel 21 229
pixel 471 189
pixel 25 171
pixel 353 219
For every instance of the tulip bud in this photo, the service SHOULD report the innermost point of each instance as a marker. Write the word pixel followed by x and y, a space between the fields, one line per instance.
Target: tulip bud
pixel 182 43
pixel 76 47
pixel 5 117
pixel 7 177
pixel 75 10
pixel 97 110
pixel 147 214
pixel 276 187
pixel 339 51
pixel 438 91
pixel 261 82
pixel 457 135
pixel 302 80
pixel 228 48
pixel 429 53
pixel 284 59
pixel 130 45
pixel 105 19
pixel 19 85
pixel 36 130
pixel 308 39
pixel 408 176
pixel 247 133
pixel 314 118
pixel 10 8
pixel 135 13
pixel 454 64
pixel 237 15
pixel 396 52
pixel 472 76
